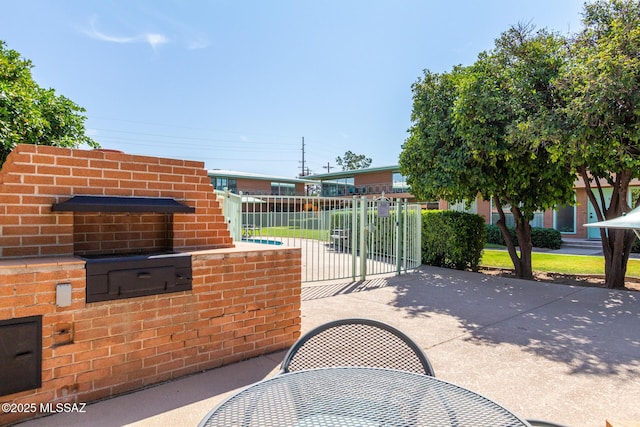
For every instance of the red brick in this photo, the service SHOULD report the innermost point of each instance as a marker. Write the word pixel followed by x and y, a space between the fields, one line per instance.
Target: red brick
pixel 91 354
pixel 156 360
pixel 103 164
pixel 41 159
pixel 76 162
pixel 144 373
pixel 94 374
pixel 49 363
pixel 52 170
pixel 126 348
pixel 110 361
pixel 39 179
pixel 71 369
pixel 68 181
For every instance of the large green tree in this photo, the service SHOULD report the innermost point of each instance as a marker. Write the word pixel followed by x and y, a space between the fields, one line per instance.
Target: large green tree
pixel 602 132
pixel 482 131
pixel 352 161
pixel 30 114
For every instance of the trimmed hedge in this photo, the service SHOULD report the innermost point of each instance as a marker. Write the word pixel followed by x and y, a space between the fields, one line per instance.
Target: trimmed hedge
pixel 540 237
pixel 452 239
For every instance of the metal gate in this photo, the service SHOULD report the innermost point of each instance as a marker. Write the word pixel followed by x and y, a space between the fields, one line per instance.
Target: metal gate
pixel 339 237
pixel 232 210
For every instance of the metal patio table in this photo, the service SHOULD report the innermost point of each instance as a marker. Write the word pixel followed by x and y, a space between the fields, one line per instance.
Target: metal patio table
pixel 358 397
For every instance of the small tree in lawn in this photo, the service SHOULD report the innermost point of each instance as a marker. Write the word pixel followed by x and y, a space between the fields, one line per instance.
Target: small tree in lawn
pixel 602 88
pixel 30 114
pixel 483 130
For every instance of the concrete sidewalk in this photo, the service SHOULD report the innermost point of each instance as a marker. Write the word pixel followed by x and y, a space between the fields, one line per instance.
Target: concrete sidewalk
pixel 562 353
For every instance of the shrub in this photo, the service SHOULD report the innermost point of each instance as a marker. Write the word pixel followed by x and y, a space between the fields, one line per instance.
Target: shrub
pixel 494 235
pixel 452 239
pixel 546 238
pixel 540 237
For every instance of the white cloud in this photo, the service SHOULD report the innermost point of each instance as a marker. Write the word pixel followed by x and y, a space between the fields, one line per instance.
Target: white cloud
pixel 155 40
pixel 198 42
pixel 190 37
pixel 152 39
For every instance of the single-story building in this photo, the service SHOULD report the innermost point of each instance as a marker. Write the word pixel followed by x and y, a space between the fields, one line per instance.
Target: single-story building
pixel 372 182
pixel 257 184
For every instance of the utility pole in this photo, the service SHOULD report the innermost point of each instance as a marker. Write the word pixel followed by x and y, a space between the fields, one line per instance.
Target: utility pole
pixel 328 167
pixel 302 167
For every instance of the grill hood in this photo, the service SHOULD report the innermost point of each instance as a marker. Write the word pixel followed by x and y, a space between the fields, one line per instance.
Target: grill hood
pixel 121 204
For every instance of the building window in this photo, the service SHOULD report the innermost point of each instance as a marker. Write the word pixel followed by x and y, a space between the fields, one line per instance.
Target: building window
pixel 537 221
pixel 339 187
pixel 283 189
pixel 400 183
pixel 222 182
pixel 219 183
pixel 465 207
pixel 565 219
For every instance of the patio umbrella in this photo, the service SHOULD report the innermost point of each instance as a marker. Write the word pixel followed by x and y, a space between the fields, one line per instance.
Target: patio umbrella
pixel 628 221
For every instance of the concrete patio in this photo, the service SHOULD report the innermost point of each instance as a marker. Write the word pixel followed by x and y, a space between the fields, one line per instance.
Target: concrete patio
pixel 556 352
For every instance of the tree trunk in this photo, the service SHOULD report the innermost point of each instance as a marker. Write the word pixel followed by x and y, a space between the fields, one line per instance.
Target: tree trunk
pixel 522 264
pixel 619 243
pixel 523 232
pixel 616 244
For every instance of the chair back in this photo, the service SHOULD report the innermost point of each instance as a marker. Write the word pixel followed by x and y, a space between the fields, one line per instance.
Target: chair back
pixel 356 342
pixel 542 423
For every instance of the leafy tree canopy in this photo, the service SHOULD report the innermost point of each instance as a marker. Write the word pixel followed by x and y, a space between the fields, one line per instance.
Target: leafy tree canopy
pixel 603 88
pixel 602 131
pixel 483 130
pixel 352 161
pixel 517 124
pixel 30 114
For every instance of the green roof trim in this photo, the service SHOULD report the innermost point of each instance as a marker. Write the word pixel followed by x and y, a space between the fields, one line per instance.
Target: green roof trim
pixel 223 173
pixel 353 172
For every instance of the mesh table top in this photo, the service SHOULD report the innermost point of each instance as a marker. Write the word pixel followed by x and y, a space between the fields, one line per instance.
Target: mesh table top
pixel 358 397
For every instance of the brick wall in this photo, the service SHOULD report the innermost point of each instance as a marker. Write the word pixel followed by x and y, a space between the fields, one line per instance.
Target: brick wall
pixel 263 187
pixel 385 177
pixel 254 186
pixel 117 233
pixel 34 177
pixel 245 302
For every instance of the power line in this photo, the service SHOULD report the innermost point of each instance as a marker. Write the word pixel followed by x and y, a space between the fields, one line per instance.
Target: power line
pixel 178 143
pixel 187 127
pixel 192 138
pixel 226 148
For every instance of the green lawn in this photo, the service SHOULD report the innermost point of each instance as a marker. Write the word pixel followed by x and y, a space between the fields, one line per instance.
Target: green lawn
pixel 557 263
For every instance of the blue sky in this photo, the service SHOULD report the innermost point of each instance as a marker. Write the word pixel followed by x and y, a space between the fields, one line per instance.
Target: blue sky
pixel 238 83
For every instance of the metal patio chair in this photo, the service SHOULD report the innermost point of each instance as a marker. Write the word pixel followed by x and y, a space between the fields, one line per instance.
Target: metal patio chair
pixel 541 423
pixel 356 342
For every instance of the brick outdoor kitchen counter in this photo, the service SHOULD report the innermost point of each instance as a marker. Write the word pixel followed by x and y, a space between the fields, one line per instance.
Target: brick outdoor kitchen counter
pixel 244 301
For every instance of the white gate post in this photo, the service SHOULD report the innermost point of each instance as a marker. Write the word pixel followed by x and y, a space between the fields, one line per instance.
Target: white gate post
pixel 399 234
pixel 364 203
pixel 406 237
pixel 353 239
